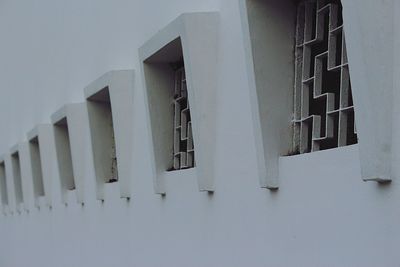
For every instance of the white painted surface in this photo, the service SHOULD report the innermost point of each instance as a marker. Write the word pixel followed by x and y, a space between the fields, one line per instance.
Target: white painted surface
pixel 117 129
pixel 371 53
pixel 269 39
pixel 192 36
pixel 322 215
pixel 79 141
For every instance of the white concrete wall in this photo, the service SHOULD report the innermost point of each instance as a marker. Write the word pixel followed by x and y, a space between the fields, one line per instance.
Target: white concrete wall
pixel 322 214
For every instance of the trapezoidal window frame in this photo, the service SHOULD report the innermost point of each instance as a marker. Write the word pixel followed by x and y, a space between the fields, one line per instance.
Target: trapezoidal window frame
pixel 62 141
pixel 38 182
pixel 111 97
pixel 71 165
pixel 64 155
pixel 270 29
pixel 22 148
pixel 42 155
pixel 168 67
pixel 182 39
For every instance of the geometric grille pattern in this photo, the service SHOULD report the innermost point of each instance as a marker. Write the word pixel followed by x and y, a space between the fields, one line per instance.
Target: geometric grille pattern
pixel 183 149
pixel 323 105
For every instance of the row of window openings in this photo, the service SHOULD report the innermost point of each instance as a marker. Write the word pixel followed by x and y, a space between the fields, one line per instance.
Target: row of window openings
pixel 323 109
pixel 182 156
pixel 16 168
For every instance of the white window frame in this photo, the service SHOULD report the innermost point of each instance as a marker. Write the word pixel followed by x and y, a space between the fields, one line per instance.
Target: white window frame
pixel 78 132
pixel 270 68
pixel 372 54
pixel 26 173
pixel 270 54
pixel 197 34
pixel 44 135
pixel 120 84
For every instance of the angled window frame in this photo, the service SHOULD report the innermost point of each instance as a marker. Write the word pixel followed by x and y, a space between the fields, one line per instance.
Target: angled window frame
pixel 41 159
pixel 120 86
pixel 71 135
pixel 372 57
pixel 23 150
pixel 269 39
pixel 272 127
pixel 197 33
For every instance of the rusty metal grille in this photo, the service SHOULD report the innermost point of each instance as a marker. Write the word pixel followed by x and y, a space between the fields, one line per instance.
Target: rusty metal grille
pixel 183 148
pixel 323 105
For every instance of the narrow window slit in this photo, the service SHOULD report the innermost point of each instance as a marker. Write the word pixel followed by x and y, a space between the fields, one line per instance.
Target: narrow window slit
pixel 103 129
pixel 36 163
pixel 64 157
pixel 16 166
pixel 3 184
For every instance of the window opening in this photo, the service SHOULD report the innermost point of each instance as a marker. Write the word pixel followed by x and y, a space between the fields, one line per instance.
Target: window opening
pixel 3 184
pixel 101 103
pixel 63 146
pixel 36 163
pixel 16 165
pixel 183 148
pixel 323 110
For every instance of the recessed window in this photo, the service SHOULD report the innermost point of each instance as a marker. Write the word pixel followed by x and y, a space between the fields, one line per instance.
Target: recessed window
pixel 180 78
pixel 169 99
pixel 103 138
pixel 296 58
pixel 183 150
pixel 70 129
pixel 323 105
pixel 64 158
pixel 16 166
pixel 109 105
pixel 3 184
pixel 36 163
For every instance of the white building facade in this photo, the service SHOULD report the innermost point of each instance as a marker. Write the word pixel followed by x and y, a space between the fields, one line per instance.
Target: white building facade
pixel 199 133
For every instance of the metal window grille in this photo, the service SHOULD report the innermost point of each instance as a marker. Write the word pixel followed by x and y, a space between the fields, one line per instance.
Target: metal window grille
pixel 183 148
pixel 323 105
